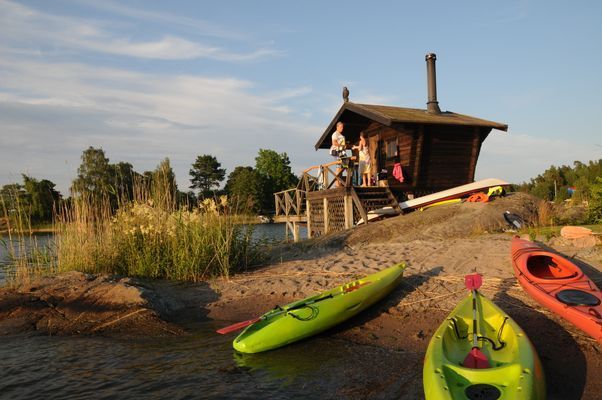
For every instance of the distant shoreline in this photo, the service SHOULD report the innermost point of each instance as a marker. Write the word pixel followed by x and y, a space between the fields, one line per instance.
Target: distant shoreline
pixel 28 231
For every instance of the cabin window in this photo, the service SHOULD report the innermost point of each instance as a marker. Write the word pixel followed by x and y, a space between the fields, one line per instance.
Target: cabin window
pixel 391 148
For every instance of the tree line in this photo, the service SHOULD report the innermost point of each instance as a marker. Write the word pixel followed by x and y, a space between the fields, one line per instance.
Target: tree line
pixel 582 183
pixel 564 182
pixel 249 188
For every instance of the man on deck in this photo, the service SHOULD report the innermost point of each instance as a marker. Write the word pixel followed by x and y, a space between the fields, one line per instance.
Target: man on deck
pixel 338 145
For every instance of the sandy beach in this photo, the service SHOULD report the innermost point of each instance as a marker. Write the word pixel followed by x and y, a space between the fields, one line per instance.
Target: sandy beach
pixel 440 245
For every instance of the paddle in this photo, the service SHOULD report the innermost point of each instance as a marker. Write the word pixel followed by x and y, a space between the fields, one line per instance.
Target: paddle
pixel 475 358
pixel 239 325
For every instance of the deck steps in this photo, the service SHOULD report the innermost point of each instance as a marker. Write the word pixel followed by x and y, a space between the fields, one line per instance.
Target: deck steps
pixel 374 198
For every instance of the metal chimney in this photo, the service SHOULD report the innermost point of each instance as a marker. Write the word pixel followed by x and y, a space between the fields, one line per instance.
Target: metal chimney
pixel 432 105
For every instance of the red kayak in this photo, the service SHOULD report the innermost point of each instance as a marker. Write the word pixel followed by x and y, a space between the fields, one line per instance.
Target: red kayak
pixel 559 285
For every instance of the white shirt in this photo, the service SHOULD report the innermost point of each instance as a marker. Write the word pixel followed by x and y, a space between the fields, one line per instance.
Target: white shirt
pixel 338 138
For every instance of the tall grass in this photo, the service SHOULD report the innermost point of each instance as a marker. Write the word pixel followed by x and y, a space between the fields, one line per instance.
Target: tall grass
pixel 545 214
pixel 28 259
pixel 151 237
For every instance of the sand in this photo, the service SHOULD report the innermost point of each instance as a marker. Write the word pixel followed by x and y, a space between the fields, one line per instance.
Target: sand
pixel 441 245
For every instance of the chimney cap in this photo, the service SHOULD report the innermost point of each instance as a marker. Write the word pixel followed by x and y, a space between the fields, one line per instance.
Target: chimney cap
pixel 430 55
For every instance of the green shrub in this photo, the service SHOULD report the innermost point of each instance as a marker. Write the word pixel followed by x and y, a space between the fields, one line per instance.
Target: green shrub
pixel 595 202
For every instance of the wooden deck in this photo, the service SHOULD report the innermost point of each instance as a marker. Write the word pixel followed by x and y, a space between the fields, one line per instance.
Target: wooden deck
pixel 326 201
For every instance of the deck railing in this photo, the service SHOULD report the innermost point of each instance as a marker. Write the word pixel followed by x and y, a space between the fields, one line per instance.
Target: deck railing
pixel 291 202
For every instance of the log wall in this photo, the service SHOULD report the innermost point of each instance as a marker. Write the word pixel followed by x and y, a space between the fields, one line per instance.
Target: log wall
pixel 432 157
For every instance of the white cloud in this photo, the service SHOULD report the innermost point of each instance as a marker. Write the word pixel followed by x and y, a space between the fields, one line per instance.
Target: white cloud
pixel 51 112
pixel 20 26
pixel 136 13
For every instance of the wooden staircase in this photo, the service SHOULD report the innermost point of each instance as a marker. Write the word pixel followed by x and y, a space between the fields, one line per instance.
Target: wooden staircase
pixel 373 198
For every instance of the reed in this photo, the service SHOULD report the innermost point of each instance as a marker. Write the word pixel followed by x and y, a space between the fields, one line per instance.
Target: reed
pixel 545 214
pixel 28 259
pixel 151 237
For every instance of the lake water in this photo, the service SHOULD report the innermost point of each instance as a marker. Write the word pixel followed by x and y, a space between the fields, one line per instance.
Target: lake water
pixel 8 247
pixel 275 232
pixel 202 365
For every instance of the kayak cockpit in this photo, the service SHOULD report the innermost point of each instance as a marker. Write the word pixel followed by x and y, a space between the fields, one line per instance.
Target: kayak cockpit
pixel 496 339
pixel 543 266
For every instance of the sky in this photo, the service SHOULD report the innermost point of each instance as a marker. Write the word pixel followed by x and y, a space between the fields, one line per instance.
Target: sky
pixel 145 80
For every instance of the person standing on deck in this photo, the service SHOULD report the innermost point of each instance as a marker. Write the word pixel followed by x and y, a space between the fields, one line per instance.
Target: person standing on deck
pixel 338 145
pixel 364 161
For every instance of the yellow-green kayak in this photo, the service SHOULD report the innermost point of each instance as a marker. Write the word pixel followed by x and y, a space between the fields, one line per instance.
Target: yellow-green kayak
pixel 304 318
pixel 514 370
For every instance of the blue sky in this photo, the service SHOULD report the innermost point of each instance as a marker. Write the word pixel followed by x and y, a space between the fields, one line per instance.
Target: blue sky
pixel 146 80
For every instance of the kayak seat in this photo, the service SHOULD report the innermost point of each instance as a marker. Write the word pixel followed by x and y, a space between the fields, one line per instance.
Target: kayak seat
pixel 574 297
pixel 546 267
pixel 494 345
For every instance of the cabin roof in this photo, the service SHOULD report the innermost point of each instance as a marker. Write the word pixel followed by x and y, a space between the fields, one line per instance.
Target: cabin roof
pixel 388 115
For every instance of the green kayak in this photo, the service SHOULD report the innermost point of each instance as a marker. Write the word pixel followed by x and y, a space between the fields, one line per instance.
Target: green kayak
pixel 304 318
pixel 512 370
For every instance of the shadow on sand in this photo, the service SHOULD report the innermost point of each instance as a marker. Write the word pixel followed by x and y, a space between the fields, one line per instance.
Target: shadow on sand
pixel 563 361
pixel 407 285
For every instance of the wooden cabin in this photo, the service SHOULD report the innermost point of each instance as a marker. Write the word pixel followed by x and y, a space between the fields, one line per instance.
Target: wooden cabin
pixel 436 150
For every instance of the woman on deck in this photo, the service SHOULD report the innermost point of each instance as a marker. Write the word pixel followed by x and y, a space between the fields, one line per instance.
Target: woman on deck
pixel 364 160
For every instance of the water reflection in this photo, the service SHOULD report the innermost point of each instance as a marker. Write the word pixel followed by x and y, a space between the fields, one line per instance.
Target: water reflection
pixel 197 366
pixel 17 245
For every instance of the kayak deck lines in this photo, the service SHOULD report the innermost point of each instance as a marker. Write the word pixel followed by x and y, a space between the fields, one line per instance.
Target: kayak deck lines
pixel 479 352
pixel 303 318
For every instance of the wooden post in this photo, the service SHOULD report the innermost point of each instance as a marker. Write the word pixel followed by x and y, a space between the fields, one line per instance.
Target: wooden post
pixel 325 215
pixel 298 198
pixel 359 205
pixel 308 215
pixel 286 231
pixel 348 209
pixel 295 232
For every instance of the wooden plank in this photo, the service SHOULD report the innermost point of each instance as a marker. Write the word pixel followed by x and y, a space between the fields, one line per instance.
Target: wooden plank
pixel 308 218
pixel 320 194
pixel 325 215
pixel 278 203
pixel 476 144
pixel 291 218
pixel 392 200
pixel 348 211
pixel 291 202
pixel 418 156
pixel 359 205
pixel 295 232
